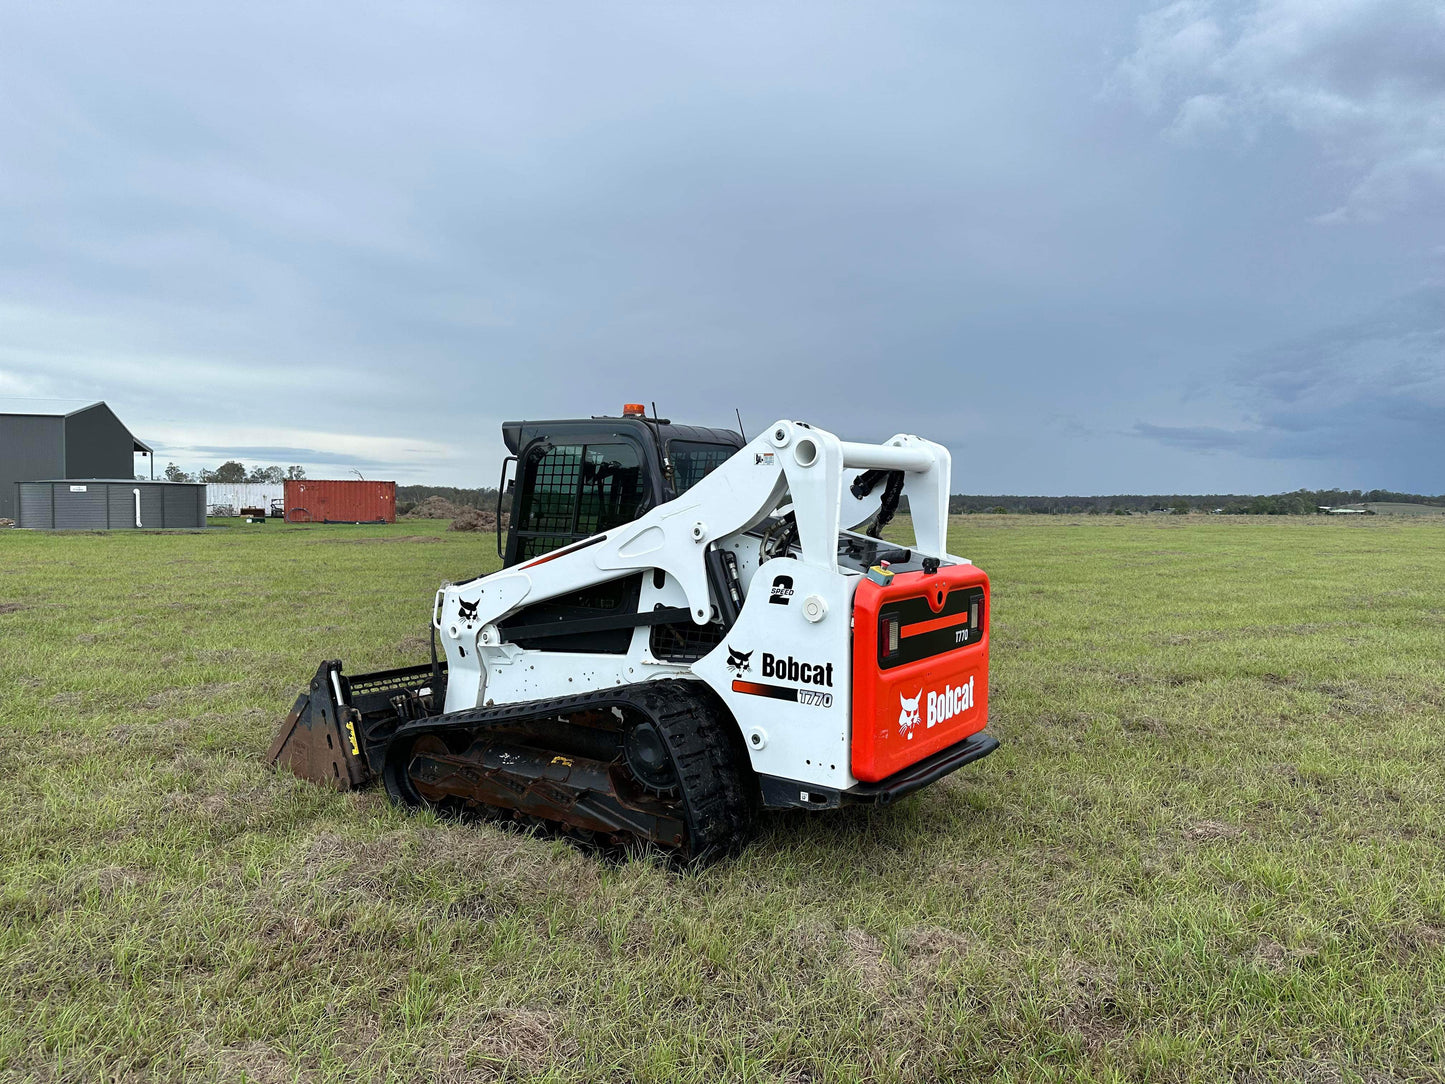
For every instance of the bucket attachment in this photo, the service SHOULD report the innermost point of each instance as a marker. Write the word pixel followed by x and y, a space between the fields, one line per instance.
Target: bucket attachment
pixel 318 739
pixel 338 729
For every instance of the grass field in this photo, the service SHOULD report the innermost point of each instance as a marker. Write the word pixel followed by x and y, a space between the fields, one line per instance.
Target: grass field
pixel 1386 509
pixel 1208 849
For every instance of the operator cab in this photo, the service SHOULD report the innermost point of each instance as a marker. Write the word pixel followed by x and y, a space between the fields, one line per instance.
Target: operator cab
pixel 582 476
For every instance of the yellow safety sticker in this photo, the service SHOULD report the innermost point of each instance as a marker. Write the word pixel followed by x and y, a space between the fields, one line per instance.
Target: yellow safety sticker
pixel 351 733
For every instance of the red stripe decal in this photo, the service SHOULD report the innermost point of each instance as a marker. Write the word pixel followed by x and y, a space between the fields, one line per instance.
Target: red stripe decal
pixel 918 628
pixel 776 692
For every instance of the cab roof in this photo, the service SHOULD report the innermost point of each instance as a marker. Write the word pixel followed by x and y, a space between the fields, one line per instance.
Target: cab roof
pixel 517 434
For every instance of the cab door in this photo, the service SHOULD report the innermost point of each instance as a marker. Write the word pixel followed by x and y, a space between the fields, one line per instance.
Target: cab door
pixel 571 489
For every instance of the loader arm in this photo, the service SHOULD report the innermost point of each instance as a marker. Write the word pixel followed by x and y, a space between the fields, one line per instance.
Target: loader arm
pixel 804 462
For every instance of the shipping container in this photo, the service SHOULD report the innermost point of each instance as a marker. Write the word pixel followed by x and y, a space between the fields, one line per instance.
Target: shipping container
pixel 316 500
pixel 93 504
pixel 228 498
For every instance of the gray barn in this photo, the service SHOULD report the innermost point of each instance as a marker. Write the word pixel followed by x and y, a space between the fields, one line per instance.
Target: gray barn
pixel 39 439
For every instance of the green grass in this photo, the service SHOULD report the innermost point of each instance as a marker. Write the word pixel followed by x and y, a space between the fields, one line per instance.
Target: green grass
pixel 1209 847
pixel 1388 509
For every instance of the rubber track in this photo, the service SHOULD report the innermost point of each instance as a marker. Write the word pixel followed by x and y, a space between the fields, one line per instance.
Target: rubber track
pixel 714 782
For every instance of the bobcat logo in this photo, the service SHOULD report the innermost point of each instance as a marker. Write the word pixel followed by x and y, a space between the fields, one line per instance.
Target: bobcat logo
pixel 467 611
pixel 908 716
pixel 738 661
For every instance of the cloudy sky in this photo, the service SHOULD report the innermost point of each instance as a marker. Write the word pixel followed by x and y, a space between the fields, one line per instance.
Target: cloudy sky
pixel 1093 248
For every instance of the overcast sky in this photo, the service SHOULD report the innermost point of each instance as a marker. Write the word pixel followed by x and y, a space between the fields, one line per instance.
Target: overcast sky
pixel 1093 247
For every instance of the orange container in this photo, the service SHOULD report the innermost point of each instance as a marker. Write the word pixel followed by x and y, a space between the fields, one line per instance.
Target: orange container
pixel 920 667
pixel 320 500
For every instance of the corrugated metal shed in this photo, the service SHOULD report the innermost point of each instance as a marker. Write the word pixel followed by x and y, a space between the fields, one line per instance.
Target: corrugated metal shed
pixel 239 495
pixel 320 500
pixel 110 504
pixel 49 438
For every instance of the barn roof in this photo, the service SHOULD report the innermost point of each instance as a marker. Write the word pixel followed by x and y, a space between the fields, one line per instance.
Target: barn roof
pixel 61 408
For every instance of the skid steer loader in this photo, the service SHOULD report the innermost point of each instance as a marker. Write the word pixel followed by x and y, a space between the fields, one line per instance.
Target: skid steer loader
pixel 682 633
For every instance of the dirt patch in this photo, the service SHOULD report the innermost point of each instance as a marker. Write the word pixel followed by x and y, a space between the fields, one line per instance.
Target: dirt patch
pixel 1095 1010
pixel 1145 724
pixel 1270 955
pixel 414 645
pixel 1212 830
pixel 12 607
pixel 511 867
pixel 181 693
pixel 381 541
pixel 926 947
pixel 531 1040
pixel 257 1063
pixel 1422 937
pixel 867 958
pixel 104 883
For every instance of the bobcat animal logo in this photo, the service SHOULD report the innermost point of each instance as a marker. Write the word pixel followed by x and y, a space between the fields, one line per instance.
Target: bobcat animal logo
pixel 467 611
pixel 738 660
pixel 908 714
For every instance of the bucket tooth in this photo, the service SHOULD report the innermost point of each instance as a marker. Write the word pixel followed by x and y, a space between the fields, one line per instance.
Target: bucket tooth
pixel 318 740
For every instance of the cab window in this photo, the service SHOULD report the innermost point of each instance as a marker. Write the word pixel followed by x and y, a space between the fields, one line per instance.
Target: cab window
pixel 571 491
pixel 692 461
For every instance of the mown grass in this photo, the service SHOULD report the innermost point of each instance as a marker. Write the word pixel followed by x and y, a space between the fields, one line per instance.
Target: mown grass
pixel 1208 849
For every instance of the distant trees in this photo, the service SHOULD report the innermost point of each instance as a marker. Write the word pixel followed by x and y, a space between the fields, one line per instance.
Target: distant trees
pixel 235 471
pixel 1300 502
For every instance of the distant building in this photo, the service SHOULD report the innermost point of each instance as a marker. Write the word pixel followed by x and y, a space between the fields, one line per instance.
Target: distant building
pixel 42 439
pixel 228 498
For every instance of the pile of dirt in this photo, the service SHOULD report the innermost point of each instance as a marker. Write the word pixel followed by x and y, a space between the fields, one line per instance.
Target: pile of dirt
pixel 478 519
pixel 435 508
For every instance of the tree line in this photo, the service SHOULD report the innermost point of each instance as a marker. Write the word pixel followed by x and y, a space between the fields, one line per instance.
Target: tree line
pixel 234 471
pixel 1300 502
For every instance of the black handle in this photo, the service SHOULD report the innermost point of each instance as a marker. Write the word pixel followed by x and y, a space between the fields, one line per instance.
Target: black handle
pixel 501 492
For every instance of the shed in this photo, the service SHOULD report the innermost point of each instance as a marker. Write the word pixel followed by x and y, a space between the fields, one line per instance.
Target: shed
pixel 322 500
pixel 235 496
pixel 62 439
pixel 110 503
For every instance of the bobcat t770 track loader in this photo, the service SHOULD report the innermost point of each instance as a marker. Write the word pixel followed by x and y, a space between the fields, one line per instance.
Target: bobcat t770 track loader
pixel 682 632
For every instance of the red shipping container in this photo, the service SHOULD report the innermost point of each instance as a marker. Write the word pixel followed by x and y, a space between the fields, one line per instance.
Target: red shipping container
pixel 316 500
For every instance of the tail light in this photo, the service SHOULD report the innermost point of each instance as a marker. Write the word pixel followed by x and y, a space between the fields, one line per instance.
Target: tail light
pixel 888 632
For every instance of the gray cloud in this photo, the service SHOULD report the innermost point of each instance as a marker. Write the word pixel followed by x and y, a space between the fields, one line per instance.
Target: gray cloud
pixel 1371 391
pixel 371 239
pixel 1363 78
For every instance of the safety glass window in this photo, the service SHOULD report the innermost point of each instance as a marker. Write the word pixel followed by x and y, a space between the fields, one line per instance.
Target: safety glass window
pixel 692 461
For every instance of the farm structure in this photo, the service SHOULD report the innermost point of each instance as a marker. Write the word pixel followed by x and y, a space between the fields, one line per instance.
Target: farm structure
pixel 62 439
pixel 110 504
pixel 231 498
pixel 340 501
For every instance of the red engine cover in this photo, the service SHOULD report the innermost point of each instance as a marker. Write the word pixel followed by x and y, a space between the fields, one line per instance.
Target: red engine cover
pixel 933 691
